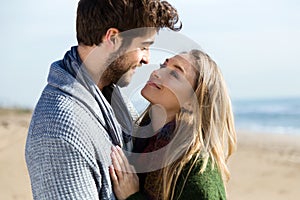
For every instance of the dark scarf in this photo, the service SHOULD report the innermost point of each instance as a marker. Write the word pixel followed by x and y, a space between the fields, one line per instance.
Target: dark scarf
pixel 74 66
pixel 150 182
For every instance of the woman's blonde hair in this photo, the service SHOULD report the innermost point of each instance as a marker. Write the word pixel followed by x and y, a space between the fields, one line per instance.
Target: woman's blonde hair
pixel 205 129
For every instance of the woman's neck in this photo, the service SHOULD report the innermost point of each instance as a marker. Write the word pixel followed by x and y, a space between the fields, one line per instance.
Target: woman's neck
pixel 160 116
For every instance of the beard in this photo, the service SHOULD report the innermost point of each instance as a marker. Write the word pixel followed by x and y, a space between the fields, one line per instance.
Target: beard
pixel 117 71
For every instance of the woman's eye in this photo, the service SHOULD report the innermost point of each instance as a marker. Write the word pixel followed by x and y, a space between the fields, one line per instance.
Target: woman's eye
pixel 174 73
pixel 162 66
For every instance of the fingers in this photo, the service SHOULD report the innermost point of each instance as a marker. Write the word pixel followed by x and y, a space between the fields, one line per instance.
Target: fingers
pixel 116 166
pixel 121 160
pixel 113 176
pixel 132 170
pixel 124 180
pixel 123 188
pixel 127 166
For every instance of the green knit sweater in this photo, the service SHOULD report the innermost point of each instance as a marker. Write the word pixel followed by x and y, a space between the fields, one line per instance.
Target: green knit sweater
pixel 205 186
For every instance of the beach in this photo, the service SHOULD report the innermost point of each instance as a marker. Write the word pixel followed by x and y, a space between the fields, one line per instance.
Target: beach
pixel 266 166
pixel 14 179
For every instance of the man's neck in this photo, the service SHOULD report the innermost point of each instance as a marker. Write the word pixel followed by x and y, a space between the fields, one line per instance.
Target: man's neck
pixel 94 59
pixel 102 83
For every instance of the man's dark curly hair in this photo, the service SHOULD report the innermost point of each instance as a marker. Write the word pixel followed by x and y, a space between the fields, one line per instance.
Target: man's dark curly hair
pixel 95 17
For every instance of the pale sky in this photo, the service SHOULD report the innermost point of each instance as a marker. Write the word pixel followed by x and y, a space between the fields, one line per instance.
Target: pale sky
pixel 255 43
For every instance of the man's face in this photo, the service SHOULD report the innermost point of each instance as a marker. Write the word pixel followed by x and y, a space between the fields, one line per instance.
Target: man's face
pixel 121 69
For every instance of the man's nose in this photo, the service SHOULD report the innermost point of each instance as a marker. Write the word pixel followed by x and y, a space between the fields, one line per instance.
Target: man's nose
pixel 146 57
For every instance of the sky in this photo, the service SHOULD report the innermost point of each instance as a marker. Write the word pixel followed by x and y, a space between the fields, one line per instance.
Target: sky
pixel 255 43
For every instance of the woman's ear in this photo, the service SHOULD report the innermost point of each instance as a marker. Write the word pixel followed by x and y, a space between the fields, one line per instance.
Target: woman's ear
pixel 187 107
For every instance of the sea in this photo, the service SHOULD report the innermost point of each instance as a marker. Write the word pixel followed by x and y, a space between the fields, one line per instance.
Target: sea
pixel 278 115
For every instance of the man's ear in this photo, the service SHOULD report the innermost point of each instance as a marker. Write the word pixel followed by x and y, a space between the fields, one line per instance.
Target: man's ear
pixel 111 36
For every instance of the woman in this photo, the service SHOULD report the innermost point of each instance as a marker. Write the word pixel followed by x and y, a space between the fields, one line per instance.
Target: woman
pixel 193 135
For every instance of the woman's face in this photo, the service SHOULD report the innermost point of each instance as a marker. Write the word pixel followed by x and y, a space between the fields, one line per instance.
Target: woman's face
pixel 172 84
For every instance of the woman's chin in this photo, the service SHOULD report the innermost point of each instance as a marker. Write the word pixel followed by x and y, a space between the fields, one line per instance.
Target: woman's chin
pixel 145 94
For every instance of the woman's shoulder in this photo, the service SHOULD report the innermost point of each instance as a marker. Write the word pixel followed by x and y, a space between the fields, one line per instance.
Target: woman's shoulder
pixel 206 185
pixel 194 169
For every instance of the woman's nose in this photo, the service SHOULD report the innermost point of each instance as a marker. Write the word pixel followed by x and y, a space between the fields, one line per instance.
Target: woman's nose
pixel 155 73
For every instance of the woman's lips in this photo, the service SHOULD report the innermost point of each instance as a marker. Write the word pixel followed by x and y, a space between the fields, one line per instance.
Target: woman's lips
pixel 152 84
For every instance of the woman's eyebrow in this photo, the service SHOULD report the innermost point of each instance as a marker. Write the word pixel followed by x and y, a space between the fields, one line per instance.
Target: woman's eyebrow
pixel 180 68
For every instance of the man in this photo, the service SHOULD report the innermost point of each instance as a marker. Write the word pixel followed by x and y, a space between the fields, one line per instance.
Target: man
pixel 119 74
pixel 73 126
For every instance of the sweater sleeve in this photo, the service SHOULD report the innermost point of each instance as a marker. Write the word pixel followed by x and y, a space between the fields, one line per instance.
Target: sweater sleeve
pixel 58 171
pixel 206 186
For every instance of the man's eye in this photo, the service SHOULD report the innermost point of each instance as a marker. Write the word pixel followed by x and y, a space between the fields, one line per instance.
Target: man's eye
pixel 145 48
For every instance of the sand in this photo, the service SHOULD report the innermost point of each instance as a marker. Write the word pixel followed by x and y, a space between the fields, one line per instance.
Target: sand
pixel 265 166
pixel 14 179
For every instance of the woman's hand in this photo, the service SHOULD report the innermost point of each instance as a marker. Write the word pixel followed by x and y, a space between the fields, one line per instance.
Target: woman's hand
pixel 124 179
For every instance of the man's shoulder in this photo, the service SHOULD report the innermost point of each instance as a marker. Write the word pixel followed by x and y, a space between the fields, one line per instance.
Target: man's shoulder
pixel 61 113
pixel 53 100
pixel 60 117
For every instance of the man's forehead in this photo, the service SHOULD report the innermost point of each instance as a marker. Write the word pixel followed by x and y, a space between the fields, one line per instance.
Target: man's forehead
pixel 145 40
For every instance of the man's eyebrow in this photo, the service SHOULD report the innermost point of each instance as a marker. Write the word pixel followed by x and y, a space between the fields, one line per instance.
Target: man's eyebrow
pixel 147 43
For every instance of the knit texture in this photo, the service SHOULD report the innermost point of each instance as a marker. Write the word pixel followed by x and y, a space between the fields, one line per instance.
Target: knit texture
pixel 194 185
pixel 68 146
pixel 206 186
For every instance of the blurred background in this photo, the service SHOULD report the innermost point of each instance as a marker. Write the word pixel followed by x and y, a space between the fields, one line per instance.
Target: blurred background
pixel 255 43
